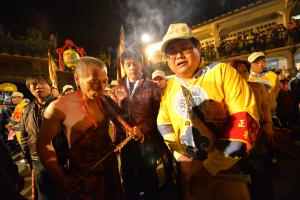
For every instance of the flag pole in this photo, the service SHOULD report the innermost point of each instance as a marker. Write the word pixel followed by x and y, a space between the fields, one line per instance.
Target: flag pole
pixel 52 70
pixel 120 69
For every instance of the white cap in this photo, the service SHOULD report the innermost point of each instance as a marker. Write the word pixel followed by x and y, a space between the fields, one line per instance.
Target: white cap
pixel 114 82
pixel 298 66
pixel 176 31
pixel 17 94
pixel 66 87
pixel 255 55
pixel 157 73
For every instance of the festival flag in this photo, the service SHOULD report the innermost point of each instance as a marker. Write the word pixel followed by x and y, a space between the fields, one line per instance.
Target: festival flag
pixel 52 70
pixel 120 69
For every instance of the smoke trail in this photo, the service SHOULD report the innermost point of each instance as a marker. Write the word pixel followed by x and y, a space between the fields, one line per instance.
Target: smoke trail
pixel 153 17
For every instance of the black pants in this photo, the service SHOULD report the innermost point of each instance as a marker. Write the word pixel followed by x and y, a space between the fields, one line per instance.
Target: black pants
pixel 44 187
pixel 139 163
pixel 260 170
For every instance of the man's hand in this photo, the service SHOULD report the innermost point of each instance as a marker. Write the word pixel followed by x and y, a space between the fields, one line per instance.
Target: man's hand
pixel 199 174
pixel 268 130
pixel 185 166
pixel 193 170
pixel 137 134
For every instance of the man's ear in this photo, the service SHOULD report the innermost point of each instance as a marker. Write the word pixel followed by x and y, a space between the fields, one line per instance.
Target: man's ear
pixel 77 80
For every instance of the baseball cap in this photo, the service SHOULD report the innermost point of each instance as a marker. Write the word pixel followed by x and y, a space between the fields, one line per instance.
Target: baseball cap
pixel 17 94
pixel 298 66
pixel 255 55
pixel 157 73
pixel 114 82
pixel 66 87
pixel 176 31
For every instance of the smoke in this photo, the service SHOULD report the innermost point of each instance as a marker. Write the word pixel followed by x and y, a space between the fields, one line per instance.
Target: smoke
pixel 152 17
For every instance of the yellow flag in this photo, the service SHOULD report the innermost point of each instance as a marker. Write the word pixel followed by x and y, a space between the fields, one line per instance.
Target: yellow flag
pixel 52 70
pixel 120 69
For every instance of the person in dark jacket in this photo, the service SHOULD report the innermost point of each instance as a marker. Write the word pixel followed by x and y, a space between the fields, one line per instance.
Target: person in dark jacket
pixel 139 100
pixel 32 119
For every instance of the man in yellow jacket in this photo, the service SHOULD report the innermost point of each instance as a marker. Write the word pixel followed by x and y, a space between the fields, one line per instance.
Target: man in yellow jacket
pixel 18 99
pixel 207 117
pixel 269 79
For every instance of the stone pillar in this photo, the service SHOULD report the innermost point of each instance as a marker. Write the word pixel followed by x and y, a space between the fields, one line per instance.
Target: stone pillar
pixel 216 33
pixel 286 12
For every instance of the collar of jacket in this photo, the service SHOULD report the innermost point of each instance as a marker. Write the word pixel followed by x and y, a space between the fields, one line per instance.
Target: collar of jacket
pixel 49 99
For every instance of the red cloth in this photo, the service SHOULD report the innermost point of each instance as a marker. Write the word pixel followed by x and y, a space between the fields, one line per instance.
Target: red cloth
pixel 241 127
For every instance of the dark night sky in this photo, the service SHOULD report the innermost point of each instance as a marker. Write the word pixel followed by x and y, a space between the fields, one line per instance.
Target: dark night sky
pixel 95 24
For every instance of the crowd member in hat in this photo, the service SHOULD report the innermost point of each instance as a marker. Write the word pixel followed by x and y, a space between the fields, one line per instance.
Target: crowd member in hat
pixel 261 96
pixel 256 163
pixel 85 117
pixel 67 89
pixel 207 116
pixel 269 79
pixel 31 121
pixel 139 100
pixel 17 99
pixel 159 77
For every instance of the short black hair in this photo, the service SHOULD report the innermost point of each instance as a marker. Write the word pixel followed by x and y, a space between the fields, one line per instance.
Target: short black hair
pixel 37 79
pixel 134 54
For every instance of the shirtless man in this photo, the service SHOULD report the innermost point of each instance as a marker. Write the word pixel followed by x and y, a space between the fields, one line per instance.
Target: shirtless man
pixel 86 123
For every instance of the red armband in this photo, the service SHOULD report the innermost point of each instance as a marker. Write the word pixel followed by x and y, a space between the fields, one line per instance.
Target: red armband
pixel 241 127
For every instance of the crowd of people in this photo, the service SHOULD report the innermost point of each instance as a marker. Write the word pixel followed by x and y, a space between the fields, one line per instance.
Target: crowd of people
pixel 11 109
pixel 216 129
pixel 260 39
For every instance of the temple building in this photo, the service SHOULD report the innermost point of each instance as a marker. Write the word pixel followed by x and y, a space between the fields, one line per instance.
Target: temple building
pixel 23 56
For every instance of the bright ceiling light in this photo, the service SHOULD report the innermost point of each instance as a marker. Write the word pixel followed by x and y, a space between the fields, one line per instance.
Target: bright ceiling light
pixel 146 38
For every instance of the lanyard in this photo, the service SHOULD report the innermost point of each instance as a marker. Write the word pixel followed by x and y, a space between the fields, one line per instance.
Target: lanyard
pixel 87 113
pixel 134 87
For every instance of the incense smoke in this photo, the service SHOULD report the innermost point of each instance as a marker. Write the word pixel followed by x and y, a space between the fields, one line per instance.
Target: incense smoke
pixel 152 17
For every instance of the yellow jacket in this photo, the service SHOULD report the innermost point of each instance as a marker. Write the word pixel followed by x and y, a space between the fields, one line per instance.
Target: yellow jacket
pixel 271 82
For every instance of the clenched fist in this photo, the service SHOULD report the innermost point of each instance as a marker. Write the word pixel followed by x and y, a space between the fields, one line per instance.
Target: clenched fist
pixel 137 134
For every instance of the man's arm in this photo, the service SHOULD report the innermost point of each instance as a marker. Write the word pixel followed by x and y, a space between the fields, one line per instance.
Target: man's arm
pixel 53 119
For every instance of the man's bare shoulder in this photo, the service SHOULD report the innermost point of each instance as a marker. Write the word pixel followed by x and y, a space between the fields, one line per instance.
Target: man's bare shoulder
pixel 64 102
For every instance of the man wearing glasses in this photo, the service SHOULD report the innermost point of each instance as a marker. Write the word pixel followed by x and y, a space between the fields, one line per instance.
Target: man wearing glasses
pixel 208 118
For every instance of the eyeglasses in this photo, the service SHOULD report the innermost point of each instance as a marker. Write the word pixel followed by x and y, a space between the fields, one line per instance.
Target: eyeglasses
pixel 172 54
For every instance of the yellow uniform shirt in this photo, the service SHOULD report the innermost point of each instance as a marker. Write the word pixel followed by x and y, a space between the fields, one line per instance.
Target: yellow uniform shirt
pixel 224 99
